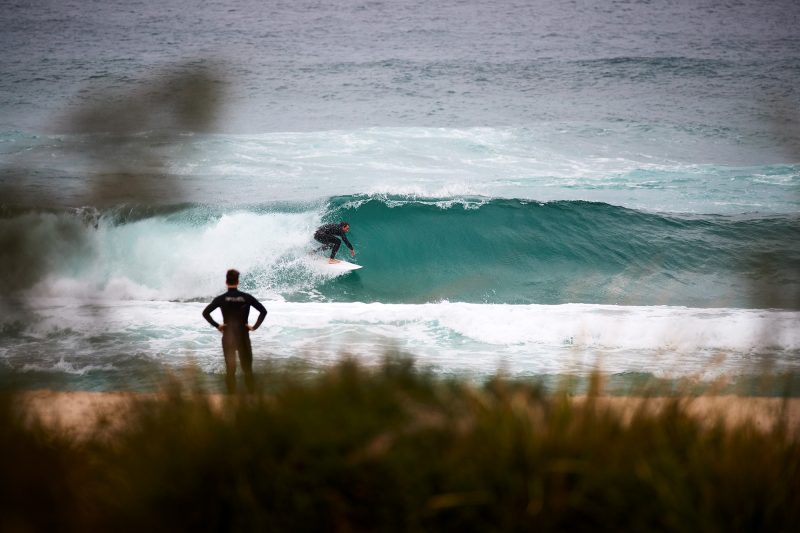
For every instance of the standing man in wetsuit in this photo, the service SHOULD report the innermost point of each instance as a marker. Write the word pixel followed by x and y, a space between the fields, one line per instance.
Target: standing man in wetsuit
pixel 328 235
pixel 235 306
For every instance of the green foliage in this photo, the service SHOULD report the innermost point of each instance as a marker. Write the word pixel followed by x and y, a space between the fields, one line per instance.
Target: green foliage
pixel 396 449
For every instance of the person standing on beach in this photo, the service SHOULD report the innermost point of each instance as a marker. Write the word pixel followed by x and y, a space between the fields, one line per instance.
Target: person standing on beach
pixel 328 235
pixel 235 306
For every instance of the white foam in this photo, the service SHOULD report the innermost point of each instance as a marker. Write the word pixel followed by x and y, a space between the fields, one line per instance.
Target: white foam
pixel 578 325
pixel 63 366
pixel 160 259
pixel 454 337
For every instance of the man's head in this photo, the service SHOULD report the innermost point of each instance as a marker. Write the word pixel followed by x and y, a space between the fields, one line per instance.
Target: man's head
pixel 232 278
pixel 345 226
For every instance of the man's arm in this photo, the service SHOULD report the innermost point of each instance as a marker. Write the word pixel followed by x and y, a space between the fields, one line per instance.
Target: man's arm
pixel 344 239
pixel 262 312
pixel 207 312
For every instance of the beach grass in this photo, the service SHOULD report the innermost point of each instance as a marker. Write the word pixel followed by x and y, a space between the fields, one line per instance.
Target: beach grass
pixel 397 448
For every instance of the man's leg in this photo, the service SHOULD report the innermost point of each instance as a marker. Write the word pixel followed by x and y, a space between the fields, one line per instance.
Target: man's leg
pixel 335 247
pixel 246 359
pixel 325 240
pixel 328 241
pixel 229 349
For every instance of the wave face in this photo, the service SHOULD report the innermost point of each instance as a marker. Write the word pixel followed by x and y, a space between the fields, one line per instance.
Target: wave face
pixel 510 251
pixel 473 250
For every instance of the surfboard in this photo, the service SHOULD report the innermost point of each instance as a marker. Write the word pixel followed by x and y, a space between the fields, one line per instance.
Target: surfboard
pixel 340 267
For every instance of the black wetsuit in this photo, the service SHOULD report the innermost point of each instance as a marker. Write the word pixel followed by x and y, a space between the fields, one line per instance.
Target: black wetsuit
pixel 328 234
pixel 235 306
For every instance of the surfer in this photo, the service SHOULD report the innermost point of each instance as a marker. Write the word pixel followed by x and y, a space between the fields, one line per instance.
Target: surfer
pixel 328 235
pixel 235 306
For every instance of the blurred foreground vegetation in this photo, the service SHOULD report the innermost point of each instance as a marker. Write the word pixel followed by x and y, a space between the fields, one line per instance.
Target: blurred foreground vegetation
pixel 396 448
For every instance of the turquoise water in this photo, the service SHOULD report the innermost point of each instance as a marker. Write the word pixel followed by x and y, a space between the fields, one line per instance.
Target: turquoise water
pixel 415 250
pixel 542 189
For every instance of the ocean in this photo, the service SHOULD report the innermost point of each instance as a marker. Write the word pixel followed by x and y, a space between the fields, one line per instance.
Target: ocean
pixel 539 189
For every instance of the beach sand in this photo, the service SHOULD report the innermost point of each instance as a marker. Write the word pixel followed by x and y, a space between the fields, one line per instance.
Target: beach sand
pixel 83 414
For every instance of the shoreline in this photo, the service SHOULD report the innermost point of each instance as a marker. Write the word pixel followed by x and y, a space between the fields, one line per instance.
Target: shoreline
pixel 83 414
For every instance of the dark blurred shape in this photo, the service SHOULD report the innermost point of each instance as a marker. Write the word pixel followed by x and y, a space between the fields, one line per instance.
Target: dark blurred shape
pixel 783 116
pixel 24 257
pixel 185 100
pixel 129 135
pixel 128 141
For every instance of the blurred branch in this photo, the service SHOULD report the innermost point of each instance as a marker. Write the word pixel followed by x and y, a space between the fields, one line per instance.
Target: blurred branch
pixel 131 134
pixel 126 140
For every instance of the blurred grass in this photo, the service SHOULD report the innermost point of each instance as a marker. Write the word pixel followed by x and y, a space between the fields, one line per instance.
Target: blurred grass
pixel 395 448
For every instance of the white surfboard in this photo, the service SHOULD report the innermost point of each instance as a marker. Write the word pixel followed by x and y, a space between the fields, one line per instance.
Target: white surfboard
pixel 334 268
pixel 341 265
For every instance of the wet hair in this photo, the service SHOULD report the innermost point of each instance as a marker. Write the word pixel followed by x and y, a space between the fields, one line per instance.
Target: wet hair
pixel 232 277
pixel 343 224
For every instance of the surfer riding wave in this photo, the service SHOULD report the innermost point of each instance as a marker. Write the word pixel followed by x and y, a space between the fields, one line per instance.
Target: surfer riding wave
pixel 329 234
